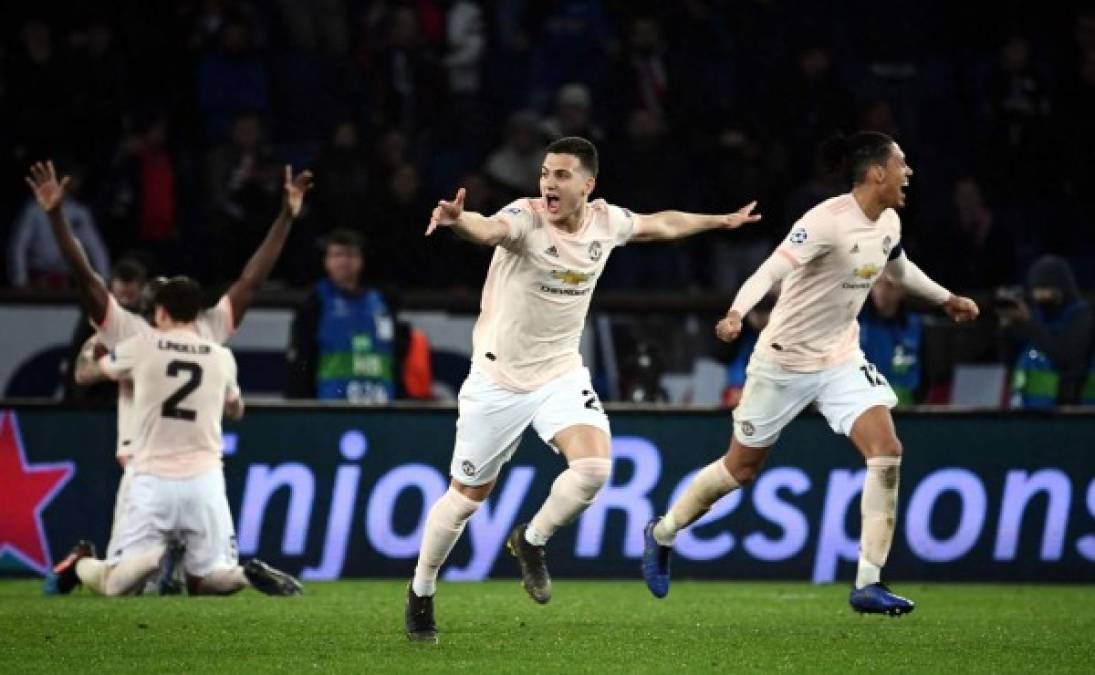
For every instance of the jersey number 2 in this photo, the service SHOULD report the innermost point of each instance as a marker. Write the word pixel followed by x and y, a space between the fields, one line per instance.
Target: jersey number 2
pixel 171 407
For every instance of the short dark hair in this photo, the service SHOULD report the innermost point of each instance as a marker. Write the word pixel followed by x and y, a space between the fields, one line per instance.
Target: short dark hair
pixel 854 154
pixel 343 236
pixel 129 270
pixel 181 298
pixel 585 151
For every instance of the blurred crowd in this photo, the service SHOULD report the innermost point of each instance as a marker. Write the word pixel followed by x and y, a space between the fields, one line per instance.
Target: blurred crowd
pixel 175 120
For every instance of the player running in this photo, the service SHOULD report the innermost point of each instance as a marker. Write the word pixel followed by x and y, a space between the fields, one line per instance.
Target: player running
pixel 526 367
pixel 115 323
pixel 810 353
pixel 183 384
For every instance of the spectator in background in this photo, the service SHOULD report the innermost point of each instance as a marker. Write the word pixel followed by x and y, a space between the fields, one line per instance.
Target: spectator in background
pixel 316 23
pixel 390 152
pixel 341 197
pixel 742 170
pixel 467 44
pixel 100 94
pixel 812 107
pixel 37 81
pixel 824 183
pixel 242 180
pixel 628 179
pixel 573 115
pixel 515 166
pixel 1016 116
pixel 232 79
pixel 574 43
pixel 144 206
pixel 1049 339
pixel 755 322
pixel 127 284
pixel 33 257
pixel 641 79
pixel 403 74
pixel 394 231
pixel 977 251
pixel 890 336
pixel 345 344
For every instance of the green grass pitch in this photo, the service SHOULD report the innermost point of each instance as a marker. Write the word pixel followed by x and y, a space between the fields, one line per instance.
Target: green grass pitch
pixel 589 626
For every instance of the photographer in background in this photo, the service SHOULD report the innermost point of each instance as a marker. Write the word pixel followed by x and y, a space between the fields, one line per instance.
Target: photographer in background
pixel 1049 339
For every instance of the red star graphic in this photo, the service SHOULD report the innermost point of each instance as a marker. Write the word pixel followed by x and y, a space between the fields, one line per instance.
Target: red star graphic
pixel 26 492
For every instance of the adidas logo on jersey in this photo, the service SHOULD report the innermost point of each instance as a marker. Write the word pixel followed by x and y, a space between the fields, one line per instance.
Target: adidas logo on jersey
pixel 552 251
pixel 855 248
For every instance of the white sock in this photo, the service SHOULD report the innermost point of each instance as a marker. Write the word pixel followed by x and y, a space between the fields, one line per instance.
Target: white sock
pixel 129 575
pixel 571 493
pixel 711 484
pixel 222 582
pixel 92 574
pixel 444 524
pixel 878 507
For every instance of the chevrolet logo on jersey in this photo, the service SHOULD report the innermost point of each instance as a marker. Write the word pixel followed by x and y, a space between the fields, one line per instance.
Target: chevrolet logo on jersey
pixel 867 271
pixel 570 276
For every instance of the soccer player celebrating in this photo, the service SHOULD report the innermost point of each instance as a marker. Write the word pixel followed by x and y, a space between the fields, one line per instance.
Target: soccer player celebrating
pixel 526 367
pixel 183 385
pixel 115 323
pixel 809 352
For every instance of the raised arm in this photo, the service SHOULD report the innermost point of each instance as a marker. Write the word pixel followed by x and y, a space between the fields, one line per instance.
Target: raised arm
pixel 904 272
pixel 475 227
pixel 242 293
pixel 668 225
pixel 50 195
pixel 770 272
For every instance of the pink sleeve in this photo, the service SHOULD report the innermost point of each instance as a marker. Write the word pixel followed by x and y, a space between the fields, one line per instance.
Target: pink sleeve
pixel 807 240
pixel 217 323
pixel 119 324
pixel 518 218
pixel 121 359
pixel 771 271
pixel 623 224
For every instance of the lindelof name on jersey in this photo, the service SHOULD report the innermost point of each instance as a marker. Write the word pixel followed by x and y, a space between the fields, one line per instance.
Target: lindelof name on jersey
pixel 169 346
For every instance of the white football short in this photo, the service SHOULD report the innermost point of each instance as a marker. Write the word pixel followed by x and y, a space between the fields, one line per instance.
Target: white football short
pixel 193 510
pixel 120 502
pixel 773 397
pixel 493 418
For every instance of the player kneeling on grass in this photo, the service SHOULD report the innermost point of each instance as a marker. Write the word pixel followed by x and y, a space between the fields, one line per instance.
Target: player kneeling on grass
pixel 183 385
pixel 809 352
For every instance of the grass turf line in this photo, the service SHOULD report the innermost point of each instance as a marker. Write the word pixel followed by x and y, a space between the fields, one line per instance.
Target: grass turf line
pixel 589 626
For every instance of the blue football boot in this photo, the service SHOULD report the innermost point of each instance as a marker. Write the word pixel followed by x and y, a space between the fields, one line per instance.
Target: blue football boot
pixel 876 598
pixel 655 562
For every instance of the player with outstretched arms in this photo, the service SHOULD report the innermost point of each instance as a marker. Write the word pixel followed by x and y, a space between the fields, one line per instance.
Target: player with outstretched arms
pixel 809 352
pixel 183 384
pixel 526 368
pixel 115 323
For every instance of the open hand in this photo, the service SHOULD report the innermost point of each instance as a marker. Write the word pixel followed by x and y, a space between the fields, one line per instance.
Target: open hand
pixel 740 217
pixel 295 187
pixel 446 213
pixel 48 191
